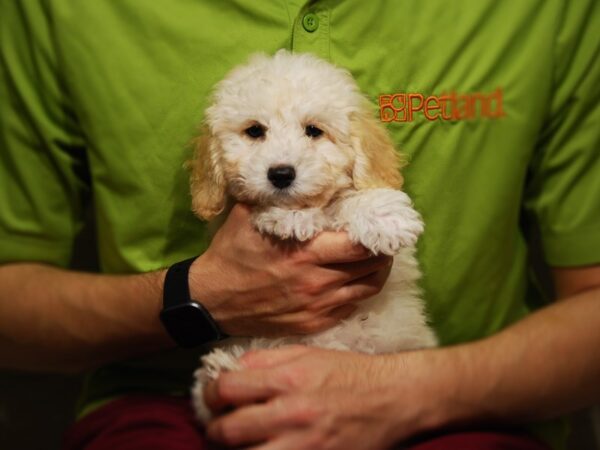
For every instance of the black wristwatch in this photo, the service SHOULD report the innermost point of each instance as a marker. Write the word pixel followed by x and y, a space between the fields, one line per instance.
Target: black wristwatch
pixel 186 321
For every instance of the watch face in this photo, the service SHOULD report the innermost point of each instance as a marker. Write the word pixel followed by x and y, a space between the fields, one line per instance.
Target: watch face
pixel 189 325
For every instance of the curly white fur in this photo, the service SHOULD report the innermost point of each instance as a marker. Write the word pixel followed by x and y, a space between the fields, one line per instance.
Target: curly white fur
pixel 347 179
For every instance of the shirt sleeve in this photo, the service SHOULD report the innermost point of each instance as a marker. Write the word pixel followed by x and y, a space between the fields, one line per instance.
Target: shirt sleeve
pixel 43 169
pixel 563 192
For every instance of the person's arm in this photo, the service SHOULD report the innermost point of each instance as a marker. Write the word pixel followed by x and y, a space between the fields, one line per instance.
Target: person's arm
pixel 538 368
pixel 55 319
pixel 541 367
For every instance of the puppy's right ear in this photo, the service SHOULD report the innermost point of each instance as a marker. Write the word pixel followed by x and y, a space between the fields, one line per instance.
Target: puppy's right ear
pixel 207 182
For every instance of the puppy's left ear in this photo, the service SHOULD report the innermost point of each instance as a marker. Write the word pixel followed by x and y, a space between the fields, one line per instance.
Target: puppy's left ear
pixel 377 163
pixel 207 182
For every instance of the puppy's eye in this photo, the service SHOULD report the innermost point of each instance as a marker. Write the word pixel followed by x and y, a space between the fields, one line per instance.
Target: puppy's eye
pixel 255 131
pixel 313 131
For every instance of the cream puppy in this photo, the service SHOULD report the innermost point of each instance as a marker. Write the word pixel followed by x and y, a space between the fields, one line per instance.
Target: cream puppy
pixel 293 136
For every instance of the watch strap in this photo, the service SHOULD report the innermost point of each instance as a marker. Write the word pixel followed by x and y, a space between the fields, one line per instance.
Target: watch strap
pixel 187 321
pixel 176 287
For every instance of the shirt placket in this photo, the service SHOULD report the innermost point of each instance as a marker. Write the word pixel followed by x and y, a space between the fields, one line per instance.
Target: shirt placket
pixel 310 31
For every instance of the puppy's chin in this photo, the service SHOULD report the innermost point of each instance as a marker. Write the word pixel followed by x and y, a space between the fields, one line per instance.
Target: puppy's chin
pixel 285 198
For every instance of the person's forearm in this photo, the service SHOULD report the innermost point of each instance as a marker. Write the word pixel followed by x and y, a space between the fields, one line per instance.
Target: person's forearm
pixel 541 367
pixel 59 320
pixel 252 286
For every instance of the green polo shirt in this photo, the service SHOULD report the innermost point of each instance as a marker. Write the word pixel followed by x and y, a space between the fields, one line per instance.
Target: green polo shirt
pixel 496 105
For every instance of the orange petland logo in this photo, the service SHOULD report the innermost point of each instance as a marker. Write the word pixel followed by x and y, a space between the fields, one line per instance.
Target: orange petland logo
pixel 404 107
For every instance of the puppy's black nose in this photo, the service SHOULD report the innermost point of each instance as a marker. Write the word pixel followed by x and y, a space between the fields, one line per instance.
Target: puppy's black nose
pixel 281 176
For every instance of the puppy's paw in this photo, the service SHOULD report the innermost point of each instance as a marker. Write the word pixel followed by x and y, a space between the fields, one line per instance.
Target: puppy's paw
pixel 301 224
pixel 203 414
pixel 213 364
pixel 385 235
pixel 383 221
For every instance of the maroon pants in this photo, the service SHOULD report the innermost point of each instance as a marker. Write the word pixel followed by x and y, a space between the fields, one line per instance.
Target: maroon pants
pixel 167 423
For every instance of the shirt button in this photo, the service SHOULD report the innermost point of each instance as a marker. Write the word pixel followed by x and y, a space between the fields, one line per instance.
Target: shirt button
pixel 310 22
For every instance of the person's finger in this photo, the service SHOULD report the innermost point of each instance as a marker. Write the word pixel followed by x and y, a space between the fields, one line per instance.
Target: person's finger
pixel 330 247
pixel 240 388
pixel 336 315
pixel 354 292
pixel 343 273
pixel 229 390
pixel 364 287
pixel 213 399
pixel 296 439
pixel 328 319
pixel 241 211
pixel 251 424
pixel 313 321
pixel 332 276
pixel 263 359
pixel 239 217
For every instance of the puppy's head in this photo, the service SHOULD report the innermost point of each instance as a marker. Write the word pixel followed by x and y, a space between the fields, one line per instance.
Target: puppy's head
pixel 291 131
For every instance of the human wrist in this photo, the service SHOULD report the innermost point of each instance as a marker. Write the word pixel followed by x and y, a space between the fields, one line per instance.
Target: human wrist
pixel 207 285
pixel 186 320
pixel 154 283
pixel 432 383
pixel 200 279
pixel 458 384
pixel 150 285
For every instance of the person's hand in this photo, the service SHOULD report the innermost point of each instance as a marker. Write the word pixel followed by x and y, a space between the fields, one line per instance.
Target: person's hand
pixel 255 285
pixel 305 398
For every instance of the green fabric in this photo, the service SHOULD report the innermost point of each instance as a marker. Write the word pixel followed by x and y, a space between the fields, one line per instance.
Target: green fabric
pixel 101 99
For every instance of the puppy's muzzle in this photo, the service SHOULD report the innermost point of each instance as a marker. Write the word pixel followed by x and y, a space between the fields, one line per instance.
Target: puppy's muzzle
pixel 281 176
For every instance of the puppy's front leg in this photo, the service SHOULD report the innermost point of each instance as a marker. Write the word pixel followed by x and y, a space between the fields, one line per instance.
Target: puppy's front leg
pixel 383 220
pixel 300 224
